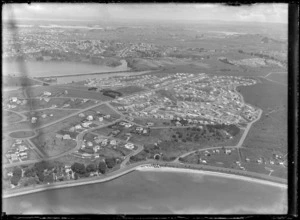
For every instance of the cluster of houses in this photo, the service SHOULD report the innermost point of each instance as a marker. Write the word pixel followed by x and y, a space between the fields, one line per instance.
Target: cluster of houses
pixel 13 102
pixel 17 152
pixel 219 105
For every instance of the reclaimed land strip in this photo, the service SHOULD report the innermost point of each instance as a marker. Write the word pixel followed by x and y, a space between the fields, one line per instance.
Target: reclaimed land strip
pixel 101 73
pixel 247 176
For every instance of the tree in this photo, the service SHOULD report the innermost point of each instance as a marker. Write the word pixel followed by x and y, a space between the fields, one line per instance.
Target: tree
pixel 48 178
pixel 17 172
pixel 15 180
pixel 102 167
pixel 110 162
pixel 78 168
pixel 91 168
pixel 29 172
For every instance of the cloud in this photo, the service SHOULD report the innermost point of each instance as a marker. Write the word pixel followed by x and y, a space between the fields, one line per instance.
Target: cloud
pixel 170 11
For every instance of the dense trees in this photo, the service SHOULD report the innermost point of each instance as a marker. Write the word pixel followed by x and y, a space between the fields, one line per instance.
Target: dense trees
pixel 110 162
pixel 91 167
pixel 17 174
pixel 102 167
pixel 78 168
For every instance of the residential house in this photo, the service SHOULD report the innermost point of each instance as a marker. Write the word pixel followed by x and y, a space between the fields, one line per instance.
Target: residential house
pixel 81 115
pixel 90 118
pixel 13 99
pixel 47 93
pixel 33 120
pixel 113 142
pixel 66 137
pixel 100 118
pixel 90 144
pixel 129 146
pixel 78 127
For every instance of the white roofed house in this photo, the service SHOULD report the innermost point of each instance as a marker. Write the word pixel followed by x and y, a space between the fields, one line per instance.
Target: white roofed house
pixel 13 99
pixel 78 127
pixel 129 146
pixel 47 93
pixel 113 142
pixel 66 137
pixel 33 120
pixel 90 118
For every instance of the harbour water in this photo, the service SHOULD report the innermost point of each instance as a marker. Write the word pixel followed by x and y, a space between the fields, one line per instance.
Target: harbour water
pixel 52 68
pixel 150 192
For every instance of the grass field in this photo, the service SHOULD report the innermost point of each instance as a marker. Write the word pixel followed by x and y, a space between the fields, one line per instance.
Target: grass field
pixel 220 159
pixel 10 117
pixel 59 91
pixel 50 145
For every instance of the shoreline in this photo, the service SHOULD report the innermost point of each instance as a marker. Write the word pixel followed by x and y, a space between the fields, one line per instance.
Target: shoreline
pixel 140 168
pixel 211 173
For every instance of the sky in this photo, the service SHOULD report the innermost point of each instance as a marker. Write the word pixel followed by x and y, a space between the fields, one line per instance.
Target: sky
pixel 271 12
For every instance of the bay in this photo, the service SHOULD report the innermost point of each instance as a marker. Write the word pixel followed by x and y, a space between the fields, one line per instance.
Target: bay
pixel 150 192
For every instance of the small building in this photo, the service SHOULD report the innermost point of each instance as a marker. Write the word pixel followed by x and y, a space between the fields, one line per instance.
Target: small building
pixel 78 127
pixel 149 124
pixel 33 120
pixel 66 137
pixel 107 116
pixel 113 142
pixel 129 146
pixel 47 93
pixel 90 144
pixel 86 124
pixel 81 115
pixel 13 99
pixel 44 115
pixel 100 118
pixel 18 141
pixel 90 118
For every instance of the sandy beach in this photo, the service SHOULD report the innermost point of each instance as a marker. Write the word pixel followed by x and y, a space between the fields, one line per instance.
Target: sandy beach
pixel 204 172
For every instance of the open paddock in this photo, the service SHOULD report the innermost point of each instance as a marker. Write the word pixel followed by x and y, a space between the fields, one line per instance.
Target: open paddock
pixel 50 145
pixel 57 114
pixel 59 91
pixel 10 117
pixel 220 159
